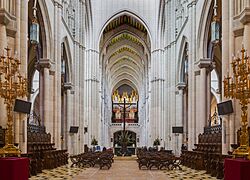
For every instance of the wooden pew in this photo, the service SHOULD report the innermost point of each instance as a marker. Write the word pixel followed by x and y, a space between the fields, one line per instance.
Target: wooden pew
pixel 207 154
pixel 41 151
pixel 90 159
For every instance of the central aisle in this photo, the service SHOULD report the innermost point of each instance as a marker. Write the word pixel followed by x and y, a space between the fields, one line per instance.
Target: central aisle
pixel 121 170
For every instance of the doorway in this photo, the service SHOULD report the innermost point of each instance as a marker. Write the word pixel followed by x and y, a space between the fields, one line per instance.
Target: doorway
pixel 124 137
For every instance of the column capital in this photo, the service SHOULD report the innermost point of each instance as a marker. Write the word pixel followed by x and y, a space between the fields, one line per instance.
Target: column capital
pixel 44 63
pixel 9 21
pixel 68 86
pixel 181 85
pixel 206 63
pixel 6 17
pixel 244 16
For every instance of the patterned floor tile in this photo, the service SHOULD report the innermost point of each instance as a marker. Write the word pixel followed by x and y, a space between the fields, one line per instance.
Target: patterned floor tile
pixel 60 173
pixel 188 173
pixel 119 171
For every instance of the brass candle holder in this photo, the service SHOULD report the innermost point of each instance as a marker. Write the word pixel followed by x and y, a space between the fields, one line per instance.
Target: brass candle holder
pixel 12 85
pixel 238 87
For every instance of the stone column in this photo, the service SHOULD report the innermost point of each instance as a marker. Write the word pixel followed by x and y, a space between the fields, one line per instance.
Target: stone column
pixel 57 76
pixel 179 116
pixel 157 84
pixel 179 103
pixel 41 100
pixel 81 92
pixel 191 77
pixel 208 95
pixel 225 68
pixel 204 65
pixel 69 120
pixel 3 44
pixel 91 92
pixel 17 116
pixel 44 90
pixel 166 56
pixel 22 50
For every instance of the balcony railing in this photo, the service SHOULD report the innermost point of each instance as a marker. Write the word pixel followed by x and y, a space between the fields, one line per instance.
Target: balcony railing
pixel 127 125
pixel 127 120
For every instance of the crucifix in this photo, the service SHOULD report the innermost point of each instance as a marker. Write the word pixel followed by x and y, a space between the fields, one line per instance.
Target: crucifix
pixel 123 135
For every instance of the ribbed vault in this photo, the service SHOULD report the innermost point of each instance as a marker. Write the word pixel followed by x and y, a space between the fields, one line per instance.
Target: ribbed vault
pixel 125 48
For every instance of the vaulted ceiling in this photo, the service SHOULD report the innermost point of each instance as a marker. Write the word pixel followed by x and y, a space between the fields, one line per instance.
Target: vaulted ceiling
pixel 125 51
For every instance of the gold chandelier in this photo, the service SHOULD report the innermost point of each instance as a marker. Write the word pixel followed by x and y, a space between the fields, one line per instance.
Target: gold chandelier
pixel 238 87
pixel 12 85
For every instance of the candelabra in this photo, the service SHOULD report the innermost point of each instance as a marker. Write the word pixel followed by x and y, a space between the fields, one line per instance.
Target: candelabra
pixel 238 87
pixel 12 85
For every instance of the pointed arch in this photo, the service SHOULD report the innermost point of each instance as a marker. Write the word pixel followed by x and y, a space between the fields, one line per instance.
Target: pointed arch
pixel 203 30
pixel 184 44
pixel 124 81
pixel 47 38
pixel 161 21
pixel 128 13
pixel 65 41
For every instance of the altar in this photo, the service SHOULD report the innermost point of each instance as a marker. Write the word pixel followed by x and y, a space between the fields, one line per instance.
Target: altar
pixel 236 169
pixel 13 168
pixel 130 150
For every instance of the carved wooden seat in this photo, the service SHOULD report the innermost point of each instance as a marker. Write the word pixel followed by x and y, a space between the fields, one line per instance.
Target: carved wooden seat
pixel 207 154
pixel 42 153
pixel 174 163
pixel 105 161
pixel 154 161
pixel 142 161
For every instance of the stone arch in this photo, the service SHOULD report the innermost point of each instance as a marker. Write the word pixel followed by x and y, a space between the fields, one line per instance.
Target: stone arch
pixel 203 28
pixel 184 43
pixel 123 76
pixel 210 50
pixel 47 29
pixel 128 13
pixel 133 34
pixel 43 51
pixel 65 41
pixel 88 24
pixel 124 81
pixel 124 47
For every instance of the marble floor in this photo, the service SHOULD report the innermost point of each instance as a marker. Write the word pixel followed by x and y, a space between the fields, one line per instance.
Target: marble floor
pixel 120 170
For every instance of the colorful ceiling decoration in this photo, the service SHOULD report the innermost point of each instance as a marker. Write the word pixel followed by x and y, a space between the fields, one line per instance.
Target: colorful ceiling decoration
pixel 123 49
pixel 122 20
pixel 126 36
pixel 125 46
